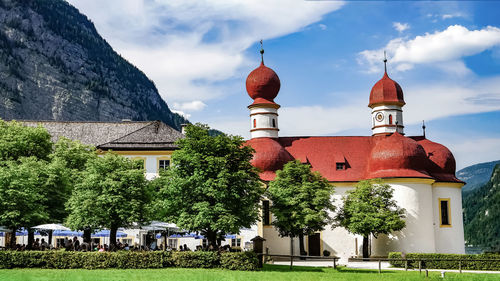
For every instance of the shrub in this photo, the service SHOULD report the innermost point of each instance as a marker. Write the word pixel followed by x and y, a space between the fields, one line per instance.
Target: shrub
pixel 239 261
pixel 127 259
pixel 451 261
pixel 198 259
pixel 326 253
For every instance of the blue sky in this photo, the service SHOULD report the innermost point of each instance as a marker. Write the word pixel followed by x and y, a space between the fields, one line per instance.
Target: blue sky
pixel 328 55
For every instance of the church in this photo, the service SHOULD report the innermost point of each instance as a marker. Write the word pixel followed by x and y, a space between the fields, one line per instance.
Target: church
pixel 421 172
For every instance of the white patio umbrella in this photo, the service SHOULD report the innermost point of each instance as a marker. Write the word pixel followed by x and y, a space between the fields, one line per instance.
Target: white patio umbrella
pixel 51 227
pixel 162 226
pixel 4 229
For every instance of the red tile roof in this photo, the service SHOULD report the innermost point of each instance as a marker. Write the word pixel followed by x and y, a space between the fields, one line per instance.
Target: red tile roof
pixel 323 153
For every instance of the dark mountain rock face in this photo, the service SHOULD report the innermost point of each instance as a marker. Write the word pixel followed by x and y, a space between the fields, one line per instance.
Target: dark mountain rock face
pixel 482 214
pixel 55 66
pixel 476 175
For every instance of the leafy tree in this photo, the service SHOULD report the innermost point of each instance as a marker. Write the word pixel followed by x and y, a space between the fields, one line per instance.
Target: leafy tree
pixel 68 161
pixel 212 188
pixel 22 194
pixel 369 209
pixel 301 201
pixel 18 141
pixel 112 193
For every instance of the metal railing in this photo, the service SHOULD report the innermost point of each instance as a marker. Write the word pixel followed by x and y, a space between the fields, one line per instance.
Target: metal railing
pixel 292 257
pixel 422 262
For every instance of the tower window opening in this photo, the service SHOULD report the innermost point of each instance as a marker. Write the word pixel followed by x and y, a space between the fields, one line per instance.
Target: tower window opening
pixel 274 123
pixel 390 119
pixel 444 206
pixel 340 166
pixel 266 214
pixel 254 123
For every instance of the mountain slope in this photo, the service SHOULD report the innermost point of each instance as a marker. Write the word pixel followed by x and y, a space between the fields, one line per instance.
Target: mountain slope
pixel 476 175
pixel 482 213
pixel 55 66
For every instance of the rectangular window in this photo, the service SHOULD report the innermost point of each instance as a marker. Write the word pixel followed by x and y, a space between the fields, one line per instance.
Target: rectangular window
pixel 265 212
pixel 340 166
pixel 163 164
pixel 444 209
pixel 172 243
pixel 236 242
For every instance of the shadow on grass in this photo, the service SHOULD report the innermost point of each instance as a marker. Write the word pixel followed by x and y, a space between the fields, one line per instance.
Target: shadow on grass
pixel 356 270
pixel 286 268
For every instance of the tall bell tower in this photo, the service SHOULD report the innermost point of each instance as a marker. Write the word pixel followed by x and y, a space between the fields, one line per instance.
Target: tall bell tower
pixel 263 85
pixel 386 102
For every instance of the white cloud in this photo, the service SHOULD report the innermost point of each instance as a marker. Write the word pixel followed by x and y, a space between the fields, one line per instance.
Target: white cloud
pixel 400 26
pixel 182 113
pixel 322 26
pixel 449 45
pixel 187 47
pixel 190 106
pixel 455 15
pixel 472 151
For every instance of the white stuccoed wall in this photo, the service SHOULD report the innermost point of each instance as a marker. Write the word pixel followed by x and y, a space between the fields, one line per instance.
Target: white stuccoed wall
pixel 264 117
pixel 386 110
pixel 449 239
pixel 420 200
pixel 418 235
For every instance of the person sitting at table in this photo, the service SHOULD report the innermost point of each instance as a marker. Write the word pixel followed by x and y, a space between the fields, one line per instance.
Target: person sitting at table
pixel 44 245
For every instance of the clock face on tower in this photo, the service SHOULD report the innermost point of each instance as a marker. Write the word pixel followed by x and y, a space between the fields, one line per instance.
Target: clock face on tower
pixel 379 117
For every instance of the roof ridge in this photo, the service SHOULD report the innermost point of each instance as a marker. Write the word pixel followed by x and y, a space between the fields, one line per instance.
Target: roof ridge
pixel 150 123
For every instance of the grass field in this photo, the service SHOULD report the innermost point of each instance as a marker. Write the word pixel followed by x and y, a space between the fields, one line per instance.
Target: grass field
pixel 270 272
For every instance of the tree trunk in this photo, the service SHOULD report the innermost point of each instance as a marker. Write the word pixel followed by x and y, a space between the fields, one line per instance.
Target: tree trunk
pixel 291 252
pixel 365 247
pixel 301 246
pixel 112 238
pixel 12 242
pixel 50 238
pixel 212 239
pixel 87 232
pixel 31 239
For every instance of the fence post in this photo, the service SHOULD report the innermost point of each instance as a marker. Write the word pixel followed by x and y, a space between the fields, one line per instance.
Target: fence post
pixel 406 265
pixel 460 266
pixel 334 263
pixel 420 266
pixel 379 266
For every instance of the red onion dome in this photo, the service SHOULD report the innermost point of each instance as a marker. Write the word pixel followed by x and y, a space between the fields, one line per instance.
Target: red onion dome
pixel 386 91
pixel 396 156
pixel 269 154
pixel 263 84
pixel 442 163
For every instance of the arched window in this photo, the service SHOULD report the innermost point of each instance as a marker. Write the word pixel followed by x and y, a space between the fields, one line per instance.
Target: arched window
pixel 390 119
pixel 254 123
pixel 274 123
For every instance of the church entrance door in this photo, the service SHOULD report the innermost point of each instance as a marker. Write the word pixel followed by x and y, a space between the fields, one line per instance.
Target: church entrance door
pixel 314 244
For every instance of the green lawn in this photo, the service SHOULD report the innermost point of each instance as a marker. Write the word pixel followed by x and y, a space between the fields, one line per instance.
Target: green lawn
pixel 270 272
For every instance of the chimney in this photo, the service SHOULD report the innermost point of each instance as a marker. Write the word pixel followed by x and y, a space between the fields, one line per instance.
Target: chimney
pixel 183 128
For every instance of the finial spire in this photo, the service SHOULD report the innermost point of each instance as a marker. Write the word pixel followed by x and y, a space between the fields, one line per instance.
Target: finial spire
pixel 423 127
pixel 261 52
pixel 385 62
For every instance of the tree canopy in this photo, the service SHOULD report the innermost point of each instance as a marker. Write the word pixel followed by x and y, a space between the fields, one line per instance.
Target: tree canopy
pixel 112 193
pixel 211 187
pixel 369 209
pixel 301 201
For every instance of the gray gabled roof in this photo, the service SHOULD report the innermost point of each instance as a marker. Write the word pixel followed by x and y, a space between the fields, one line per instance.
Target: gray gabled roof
pixel 126 135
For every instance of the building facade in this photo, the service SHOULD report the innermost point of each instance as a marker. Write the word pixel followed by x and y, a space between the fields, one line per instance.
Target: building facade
pixel 421 172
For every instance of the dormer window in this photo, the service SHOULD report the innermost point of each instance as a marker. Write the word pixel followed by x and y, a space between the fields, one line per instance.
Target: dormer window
pixel 340 166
